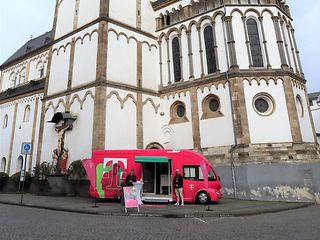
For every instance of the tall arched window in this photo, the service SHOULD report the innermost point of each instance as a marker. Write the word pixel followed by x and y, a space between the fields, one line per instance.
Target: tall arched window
pixel 3 165
pixel 5 121
pixel 176 59
pixel 255 45
pixel 26 116
pixel 209 44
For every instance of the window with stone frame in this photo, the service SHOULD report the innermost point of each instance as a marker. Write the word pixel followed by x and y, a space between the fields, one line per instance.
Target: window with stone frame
pixel 40 70
pixel 12 79
pixel 263 104
pixel 210 53
pixel 255 44
pixel 22 76
pixel 27 112
pixel 5 121
pixel 178 113
pixel 176 59
pixel 3 164
pixel 211 107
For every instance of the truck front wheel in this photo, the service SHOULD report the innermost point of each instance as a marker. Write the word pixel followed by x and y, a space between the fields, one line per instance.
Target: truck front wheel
pixel 203 198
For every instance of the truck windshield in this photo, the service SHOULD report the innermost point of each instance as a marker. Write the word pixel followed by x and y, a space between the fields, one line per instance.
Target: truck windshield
pixel 211 175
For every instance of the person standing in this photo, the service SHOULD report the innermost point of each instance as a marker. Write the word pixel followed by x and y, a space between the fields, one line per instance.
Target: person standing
pixel 178 187
pixel 131 178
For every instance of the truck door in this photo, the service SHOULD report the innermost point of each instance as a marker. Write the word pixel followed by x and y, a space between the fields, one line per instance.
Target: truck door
pixel 190 182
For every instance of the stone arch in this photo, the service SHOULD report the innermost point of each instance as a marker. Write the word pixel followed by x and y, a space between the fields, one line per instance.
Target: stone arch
pixel 252 10
pixel 239 11
pixel 154 145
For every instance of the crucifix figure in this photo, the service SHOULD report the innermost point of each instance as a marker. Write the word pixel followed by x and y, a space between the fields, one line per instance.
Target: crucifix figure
pixel 60 154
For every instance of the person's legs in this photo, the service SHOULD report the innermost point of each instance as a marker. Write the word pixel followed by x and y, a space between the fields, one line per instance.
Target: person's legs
pixel 181 195
pixel 176 190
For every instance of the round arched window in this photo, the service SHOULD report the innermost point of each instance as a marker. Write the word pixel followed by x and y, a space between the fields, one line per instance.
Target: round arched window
pixel 211 107
pixel 181 111
pixel 214 104
pixel 263 104
pixel 178 113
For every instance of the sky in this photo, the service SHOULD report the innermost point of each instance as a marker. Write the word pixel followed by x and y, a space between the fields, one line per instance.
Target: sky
pixel 19 19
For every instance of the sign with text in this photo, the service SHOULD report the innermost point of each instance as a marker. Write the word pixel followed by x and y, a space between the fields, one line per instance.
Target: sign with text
pixel 130 197
pixel 26 148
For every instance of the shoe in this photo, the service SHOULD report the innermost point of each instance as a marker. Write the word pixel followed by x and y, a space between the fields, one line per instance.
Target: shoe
pixel 176 204
pixel 182 204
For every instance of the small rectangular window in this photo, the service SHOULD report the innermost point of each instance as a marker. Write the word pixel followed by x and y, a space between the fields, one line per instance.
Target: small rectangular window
pixel 189 173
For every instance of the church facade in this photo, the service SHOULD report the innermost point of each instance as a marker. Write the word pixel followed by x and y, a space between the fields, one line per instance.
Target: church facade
pixel 222 77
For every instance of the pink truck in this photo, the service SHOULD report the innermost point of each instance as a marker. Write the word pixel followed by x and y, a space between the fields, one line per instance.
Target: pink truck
pixel 108 169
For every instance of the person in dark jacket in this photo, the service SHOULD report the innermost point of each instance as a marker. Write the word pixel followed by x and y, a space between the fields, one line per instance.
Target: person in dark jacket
pixel 131 178
pixel 178 187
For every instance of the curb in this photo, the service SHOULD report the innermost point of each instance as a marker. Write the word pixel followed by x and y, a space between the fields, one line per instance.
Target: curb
pixel 202 215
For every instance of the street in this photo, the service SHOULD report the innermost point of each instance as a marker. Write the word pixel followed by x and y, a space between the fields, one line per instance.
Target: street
pixel 32 223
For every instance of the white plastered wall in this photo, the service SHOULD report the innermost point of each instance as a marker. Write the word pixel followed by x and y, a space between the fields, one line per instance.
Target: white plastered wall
pixel 5 133
pixel 121 123
pixel 147 17
pixel 85 57
pixel 88 11
pixel 79 140
pixel 151 120
pixel 274 128
pixel 150 67
pixel 60 62
pixel 180 135
pixel 122 54
pixel 23 132
pixel 123 11
pixel 50 136
pixel 65 18
pixel 216 131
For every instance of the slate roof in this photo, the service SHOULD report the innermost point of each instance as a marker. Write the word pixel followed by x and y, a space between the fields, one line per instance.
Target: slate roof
pixel 31 46
pixel 314 95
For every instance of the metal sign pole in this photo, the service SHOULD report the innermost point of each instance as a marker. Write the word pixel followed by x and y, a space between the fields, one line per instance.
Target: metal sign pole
pixel 24 178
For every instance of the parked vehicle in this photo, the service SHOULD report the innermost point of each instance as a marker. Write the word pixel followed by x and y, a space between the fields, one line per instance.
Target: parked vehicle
pixel 108 169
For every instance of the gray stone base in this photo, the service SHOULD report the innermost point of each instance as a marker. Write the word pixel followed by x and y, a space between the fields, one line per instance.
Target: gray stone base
pixel 273 172
pixel 58 185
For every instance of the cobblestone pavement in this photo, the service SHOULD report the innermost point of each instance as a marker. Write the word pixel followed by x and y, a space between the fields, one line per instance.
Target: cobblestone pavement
pixel 32 224
pixel 225 207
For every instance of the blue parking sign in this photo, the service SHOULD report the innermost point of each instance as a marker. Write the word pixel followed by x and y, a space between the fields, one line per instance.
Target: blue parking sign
pixel 26 148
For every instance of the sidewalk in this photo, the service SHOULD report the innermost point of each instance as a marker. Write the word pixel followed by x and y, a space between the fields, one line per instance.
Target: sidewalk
pixel 224 208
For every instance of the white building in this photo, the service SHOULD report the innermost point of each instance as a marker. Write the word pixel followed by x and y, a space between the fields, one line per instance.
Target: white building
pixel 222 77
pixel 314 99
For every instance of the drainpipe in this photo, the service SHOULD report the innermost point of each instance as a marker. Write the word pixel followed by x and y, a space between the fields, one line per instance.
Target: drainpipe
pixel 233 147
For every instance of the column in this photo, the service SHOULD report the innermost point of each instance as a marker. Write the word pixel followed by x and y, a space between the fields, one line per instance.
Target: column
pixel 265 42
pixel 284 64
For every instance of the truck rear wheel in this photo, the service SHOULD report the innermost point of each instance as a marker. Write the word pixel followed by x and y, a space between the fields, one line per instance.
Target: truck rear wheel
pixel 203 198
